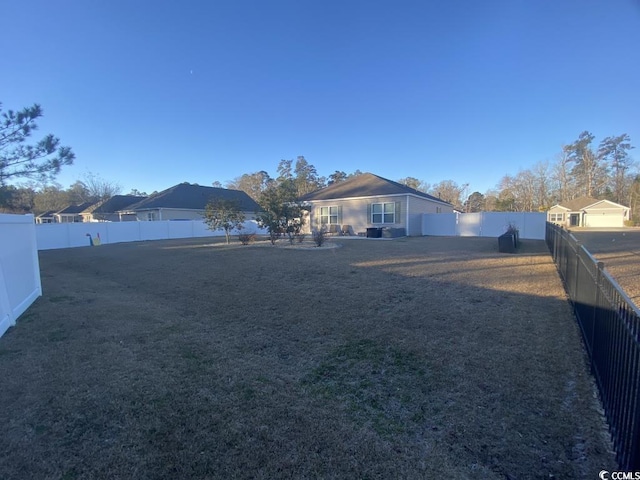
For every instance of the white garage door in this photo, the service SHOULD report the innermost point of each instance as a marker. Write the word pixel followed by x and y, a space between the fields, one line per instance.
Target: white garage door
pixel 600 220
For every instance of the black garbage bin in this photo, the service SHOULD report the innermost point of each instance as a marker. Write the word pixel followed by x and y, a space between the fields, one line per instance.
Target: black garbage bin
pixel 507 243
pixel 374 232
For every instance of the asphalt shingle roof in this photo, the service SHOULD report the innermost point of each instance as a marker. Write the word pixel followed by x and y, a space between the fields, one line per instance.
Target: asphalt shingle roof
pixel 48 213
pixel 578 203
pixel 193 197
pixel 365 185
pixel 113 204
pixel 74 209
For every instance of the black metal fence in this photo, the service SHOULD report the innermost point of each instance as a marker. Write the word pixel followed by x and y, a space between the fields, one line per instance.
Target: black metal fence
pixel 610 324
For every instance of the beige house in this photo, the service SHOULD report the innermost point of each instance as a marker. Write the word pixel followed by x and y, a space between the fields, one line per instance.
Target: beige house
pixel 589 212
pixel 371 205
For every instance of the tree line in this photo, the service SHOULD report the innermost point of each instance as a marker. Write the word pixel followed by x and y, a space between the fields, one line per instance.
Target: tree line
pixel 580 169
pixel 37 198
pixel 606 171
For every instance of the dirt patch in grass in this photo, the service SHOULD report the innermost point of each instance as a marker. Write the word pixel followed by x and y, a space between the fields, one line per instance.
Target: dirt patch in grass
pixel 411 358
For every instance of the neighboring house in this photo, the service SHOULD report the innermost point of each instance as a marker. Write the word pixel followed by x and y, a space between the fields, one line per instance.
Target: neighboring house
pixel 46 217
pixel 187 202
pixel 588 212
pixel 71 214
pixel 368 201
pixel 108 210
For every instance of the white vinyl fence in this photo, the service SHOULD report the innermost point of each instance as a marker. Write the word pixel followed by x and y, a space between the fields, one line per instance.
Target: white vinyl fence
pixel 68 235
pixel 19 268
pixel 484 224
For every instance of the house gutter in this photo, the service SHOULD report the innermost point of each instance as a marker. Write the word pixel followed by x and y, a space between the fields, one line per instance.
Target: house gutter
pixel 363 197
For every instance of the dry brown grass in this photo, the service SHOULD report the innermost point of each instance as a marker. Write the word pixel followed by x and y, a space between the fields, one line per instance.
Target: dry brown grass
pixel 411 358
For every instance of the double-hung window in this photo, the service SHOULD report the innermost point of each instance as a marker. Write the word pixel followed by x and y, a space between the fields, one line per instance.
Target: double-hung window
pixel 383 212
pixel 556 217
pixel 328 215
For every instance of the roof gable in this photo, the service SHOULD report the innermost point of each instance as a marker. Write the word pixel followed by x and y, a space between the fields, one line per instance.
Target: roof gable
pixel 365 185
pixel 193 197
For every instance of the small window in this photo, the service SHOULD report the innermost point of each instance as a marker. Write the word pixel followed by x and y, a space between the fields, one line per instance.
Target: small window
pixel 328 215
pixel 383 212
pixel 556 217
pixel 151 216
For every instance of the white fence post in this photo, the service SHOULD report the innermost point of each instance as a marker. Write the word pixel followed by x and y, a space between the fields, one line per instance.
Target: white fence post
pixel 19 268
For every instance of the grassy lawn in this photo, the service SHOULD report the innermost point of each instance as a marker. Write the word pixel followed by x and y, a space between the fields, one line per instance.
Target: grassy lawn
pixel 411 358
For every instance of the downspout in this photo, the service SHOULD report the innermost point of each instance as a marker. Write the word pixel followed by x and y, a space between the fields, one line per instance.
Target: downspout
pixel 408 234
pixel 159 214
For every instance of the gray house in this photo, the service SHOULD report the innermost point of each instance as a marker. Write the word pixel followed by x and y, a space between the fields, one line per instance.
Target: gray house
pixel 187 202
pixel 107 210
pixel 368 202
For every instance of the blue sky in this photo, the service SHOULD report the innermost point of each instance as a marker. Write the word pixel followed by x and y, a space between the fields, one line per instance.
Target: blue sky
pixel 150 94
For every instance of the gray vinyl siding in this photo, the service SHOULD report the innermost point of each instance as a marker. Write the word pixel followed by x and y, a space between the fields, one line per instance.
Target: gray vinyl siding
pixel 419 206
pixel 558 209
pixel 357 212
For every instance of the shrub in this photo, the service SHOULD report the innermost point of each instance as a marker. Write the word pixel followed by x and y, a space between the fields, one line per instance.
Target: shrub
pixel 512 228
pixel 247 238
pixel 320 236
pixel 273 236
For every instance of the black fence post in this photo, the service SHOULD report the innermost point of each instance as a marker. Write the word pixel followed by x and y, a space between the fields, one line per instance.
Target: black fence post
pixel 634 447
pixel 596 310
pixel 576 272
pixel 613 343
